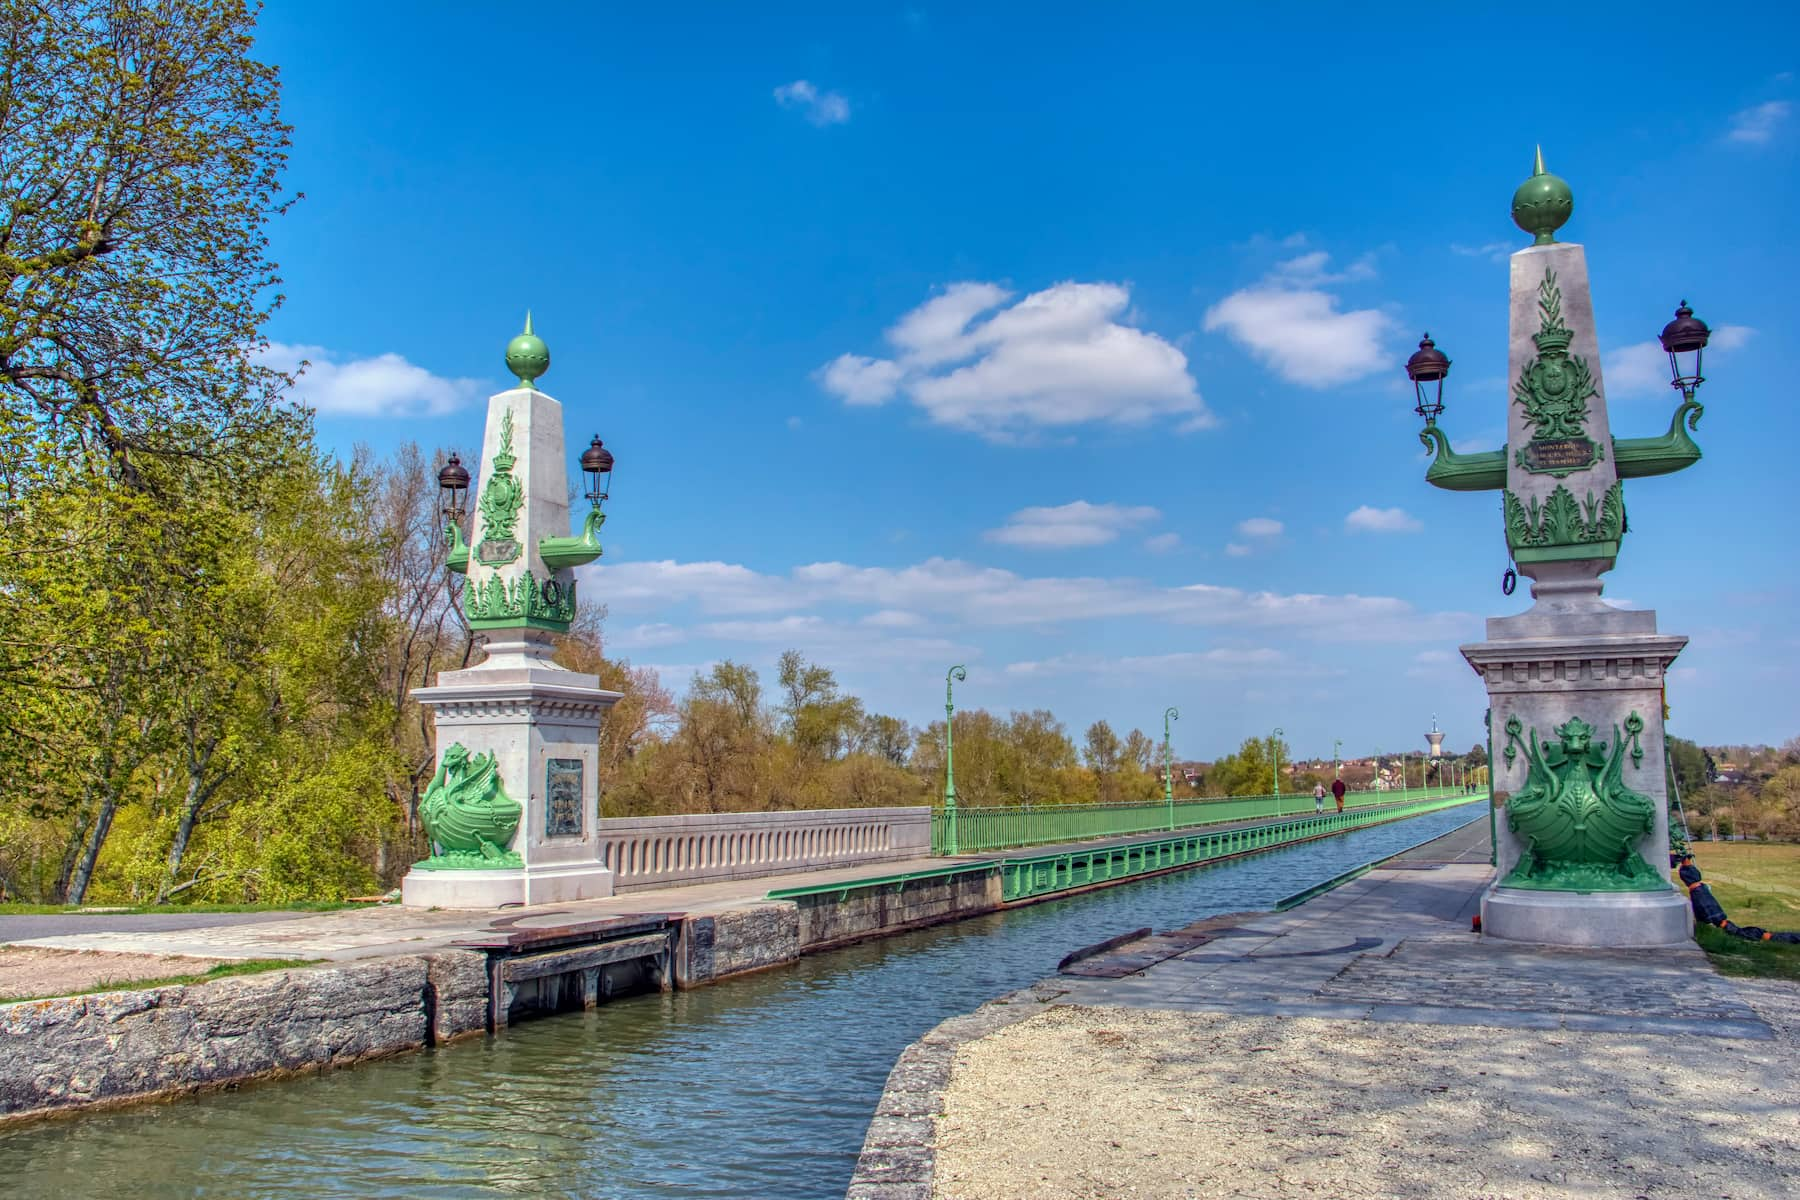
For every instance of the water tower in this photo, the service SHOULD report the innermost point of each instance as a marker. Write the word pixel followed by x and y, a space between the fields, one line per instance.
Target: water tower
pixel 1435 739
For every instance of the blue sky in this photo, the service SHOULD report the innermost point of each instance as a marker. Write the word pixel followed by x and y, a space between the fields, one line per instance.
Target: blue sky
pixel 1065 341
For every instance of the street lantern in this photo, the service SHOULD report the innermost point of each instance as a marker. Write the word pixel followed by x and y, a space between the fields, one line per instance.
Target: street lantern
pixel 1427 368
pixel 1685 335
pixel 597 465
pixel 453 485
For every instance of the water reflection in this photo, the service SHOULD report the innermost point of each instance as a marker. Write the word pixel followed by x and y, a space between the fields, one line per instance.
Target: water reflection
pixel 758 1087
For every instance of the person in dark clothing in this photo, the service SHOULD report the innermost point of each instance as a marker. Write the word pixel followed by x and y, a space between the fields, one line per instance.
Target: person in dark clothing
pixel 1337 789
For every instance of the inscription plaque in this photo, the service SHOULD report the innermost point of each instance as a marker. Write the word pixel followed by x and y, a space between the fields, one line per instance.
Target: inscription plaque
pixel 496 552
pixel 1559 456
pixel 562 797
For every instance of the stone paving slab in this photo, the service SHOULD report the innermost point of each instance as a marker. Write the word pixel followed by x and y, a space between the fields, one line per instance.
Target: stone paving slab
pixel 1395 945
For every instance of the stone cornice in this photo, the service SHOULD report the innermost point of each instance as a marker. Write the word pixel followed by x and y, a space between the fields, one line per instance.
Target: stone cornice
pixel 1593 663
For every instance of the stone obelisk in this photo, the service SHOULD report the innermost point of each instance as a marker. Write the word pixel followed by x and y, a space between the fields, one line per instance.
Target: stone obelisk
pixel 1575 685
pixel 513 810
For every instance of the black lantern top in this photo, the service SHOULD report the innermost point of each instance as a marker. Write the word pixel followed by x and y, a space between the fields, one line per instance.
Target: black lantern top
pixel 453 482
pixel 597 464
pixel 1428 365
pixel 1686 332
pixel 454 477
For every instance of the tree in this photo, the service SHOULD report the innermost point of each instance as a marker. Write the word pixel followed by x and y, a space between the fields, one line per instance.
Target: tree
pixel 1692 766
pixel 1101 748
pixel 821 722
pixel 1140 753
pixel 140 152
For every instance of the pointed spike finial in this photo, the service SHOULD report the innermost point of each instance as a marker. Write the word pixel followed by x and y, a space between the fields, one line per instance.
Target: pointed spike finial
pixel 526 356
pixel 528 311
pixel 1542 203
pixel 1539 169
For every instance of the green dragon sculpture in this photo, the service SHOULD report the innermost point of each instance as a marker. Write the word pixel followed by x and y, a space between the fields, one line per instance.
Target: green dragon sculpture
pixel 467 814
pixel 1580 823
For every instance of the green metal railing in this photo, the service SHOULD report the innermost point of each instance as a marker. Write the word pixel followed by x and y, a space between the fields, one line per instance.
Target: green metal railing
pixel 1003 828
pixel 1026 878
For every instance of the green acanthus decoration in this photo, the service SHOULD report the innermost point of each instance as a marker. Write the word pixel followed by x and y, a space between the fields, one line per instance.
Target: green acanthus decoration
pixel 502 497
pixel 1580 823
pixel 1554 387
pixel 495 603
pixel 1563 521
pixel 467 814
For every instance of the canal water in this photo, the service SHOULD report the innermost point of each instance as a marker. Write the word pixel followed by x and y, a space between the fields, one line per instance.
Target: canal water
pixel 754 1088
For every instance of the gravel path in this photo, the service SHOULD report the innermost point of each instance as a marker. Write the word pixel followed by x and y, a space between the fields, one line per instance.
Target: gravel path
pixel 23 928
pixel 29 971
pixel 1101 1103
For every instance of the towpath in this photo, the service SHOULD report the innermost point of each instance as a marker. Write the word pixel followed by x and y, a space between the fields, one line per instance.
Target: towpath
pixel 1366 1043
pixel 388 929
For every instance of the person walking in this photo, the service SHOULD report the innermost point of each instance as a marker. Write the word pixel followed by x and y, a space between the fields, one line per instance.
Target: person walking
pixel 1337 789
pixel 1318 797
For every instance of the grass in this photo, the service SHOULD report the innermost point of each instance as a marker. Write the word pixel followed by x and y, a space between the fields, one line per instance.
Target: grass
pixel 1757 884
pixel 225 970
pixel 103 910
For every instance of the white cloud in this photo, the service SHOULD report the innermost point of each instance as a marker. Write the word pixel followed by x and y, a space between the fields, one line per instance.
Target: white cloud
pixel 974 595
pixel 821 108
pixel 1314 268
pixel 1288 323
pixel 1381 520
pixel 893 618
pixel 1074 524
pixel 861 381
pixel 383 386
pixel 1162 543
pixel 1757 124
pixel 1492 251
pixel 1195 664
pixel 1236 550
pixel 1642 369
pixel 1260 527
pixel 1059 357
pixel 644 637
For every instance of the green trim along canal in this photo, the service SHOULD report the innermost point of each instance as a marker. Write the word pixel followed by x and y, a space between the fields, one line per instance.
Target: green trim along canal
pixel 759 1086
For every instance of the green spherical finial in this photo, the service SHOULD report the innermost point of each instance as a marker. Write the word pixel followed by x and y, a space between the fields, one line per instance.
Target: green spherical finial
pixel 1542 204
pixel 527 356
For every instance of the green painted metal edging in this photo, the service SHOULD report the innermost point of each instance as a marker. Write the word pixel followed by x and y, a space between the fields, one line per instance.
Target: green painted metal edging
pixel 856 885
pixel 1024 879
pixel 1338 880
pixel 979 830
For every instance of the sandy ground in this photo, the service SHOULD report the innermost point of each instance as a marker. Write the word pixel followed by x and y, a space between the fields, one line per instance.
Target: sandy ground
pixel 1108 1102
pixel 27 971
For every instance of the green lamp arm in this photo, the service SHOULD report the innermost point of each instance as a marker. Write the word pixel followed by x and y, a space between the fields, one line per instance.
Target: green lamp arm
pixel 458 558
pixel 558 553
pixel 1673 451
pixel 1483 472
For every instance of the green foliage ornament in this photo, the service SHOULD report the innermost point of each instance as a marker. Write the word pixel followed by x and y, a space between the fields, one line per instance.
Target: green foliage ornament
pixel 1580 823
pixel 468 816
pixel 500 502
pixel 1563 521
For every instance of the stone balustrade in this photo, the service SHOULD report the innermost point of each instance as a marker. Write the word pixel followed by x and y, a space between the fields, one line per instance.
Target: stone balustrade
pixel 653 852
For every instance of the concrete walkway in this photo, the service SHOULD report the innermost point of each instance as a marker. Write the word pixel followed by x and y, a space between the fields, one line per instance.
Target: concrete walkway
pixel 1366 1043
pixel 372 932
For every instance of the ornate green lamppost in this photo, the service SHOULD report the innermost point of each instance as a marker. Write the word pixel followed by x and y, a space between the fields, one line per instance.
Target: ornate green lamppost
pixel 1337 744
pixel 1275 768
pixel 1575 685
pixel 957 674
pixel 1169 713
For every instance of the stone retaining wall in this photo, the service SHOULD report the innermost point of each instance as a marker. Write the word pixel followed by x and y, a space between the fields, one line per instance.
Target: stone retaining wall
pixel 653 852
pixel 111 1047
pixel 832 918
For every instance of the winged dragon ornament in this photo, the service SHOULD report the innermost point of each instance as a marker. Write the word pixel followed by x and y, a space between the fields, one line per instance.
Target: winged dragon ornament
pixel 1580 823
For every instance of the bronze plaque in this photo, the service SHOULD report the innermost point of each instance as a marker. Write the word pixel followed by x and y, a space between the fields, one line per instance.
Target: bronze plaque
pixel 1559 456
pixel 562 797
pixel 496 552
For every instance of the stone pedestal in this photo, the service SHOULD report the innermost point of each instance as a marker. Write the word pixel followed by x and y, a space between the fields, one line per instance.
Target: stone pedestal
pixel 1573 656
pixel 542 724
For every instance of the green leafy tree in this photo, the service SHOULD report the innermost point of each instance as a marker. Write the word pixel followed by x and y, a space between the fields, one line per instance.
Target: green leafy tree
pixel 141 147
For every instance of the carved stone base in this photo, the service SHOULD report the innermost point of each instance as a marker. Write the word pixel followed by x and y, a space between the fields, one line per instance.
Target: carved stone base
pixel 496 889
pixel 1617 920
